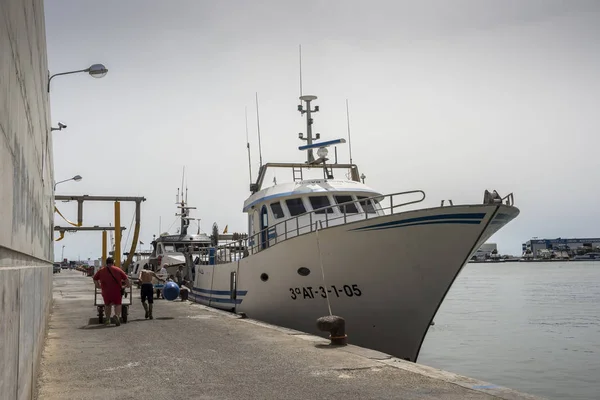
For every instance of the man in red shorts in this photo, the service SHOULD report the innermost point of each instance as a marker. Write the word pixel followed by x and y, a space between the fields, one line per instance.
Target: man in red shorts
pixel 110 280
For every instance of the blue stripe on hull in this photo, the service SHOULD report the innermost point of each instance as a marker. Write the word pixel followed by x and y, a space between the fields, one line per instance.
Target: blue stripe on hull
pixel 461 218
pixel 215 300
pixel 467 222
pixel 220 292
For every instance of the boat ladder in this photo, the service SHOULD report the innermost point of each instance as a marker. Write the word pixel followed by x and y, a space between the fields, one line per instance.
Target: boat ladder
pixel 297 174
pixel 328 172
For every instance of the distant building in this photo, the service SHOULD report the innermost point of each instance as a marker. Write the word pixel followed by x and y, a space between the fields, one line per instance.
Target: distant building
pixel 486 251
pixel 537 246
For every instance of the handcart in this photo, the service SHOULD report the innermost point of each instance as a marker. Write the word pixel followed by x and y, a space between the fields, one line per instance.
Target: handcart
pixel 126 302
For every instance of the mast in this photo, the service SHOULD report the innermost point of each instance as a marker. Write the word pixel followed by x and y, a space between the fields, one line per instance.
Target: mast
pixel 184 219
pixel 348 121
pixel 248 146
pixel 300 62
pixel 184 212
pixel 309 121
pixel 258 129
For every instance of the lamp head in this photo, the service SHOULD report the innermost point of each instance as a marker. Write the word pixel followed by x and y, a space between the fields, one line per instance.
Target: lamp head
pixel 77 178
pixel 97 70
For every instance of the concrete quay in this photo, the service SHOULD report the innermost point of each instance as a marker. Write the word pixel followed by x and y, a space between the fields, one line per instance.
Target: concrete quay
pixel 193 352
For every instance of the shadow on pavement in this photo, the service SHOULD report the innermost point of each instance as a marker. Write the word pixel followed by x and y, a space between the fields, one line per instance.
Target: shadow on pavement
pixel 327 346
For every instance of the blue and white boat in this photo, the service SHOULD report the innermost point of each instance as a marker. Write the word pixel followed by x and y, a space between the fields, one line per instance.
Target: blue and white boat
pixel 334 243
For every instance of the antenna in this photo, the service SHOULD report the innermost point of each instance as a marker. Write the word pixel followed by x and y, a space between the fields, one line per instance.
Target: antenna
pixel 348 120
pixel 248 145
pixel 182 179
pixel 258 127
pixel 300 60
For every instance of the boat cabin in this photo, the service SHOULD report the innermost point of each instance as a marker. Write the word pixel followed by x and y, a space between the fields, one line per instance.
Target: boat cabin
pixel 169 249
pixel 291 209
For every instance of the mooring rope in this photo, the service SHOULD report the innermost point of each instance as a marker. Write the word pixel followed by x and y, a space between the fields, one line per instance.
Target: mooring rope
pixel 323 271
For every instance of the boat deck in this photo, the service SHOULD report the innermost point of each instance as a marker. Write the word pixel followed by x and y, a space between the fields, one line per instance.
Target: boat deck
pixel 192 352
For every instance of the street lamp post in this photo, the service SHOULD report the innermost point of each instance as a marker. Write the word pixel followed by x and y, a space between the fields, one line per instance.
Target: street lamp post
pixel 76 178
pixel 95 70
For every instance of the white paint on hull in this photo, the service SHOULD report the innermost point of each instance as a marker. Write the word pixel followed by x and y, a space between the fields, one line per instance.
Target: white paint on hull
pixel 391 274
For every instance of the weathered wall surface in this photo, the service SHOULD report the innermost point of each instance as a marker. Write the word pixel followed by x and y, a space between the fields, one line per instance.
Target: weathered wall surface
pixel 26 203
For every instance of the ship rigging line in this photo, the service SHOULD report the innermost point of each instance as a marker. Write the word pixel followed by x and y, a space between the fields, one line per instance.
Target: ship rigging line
pixel 323 271
pixel 168 230
pixel 129 231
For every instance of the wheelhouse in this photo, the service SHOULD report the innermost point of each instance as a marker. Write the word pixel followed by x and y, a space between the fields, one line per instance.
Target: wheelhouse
pixel 300 206
pixel 170 249
pixel 292 209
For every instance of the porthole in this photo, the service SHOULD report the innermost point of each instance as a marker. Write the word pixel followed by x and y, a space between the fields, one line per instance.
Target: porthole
pixel 264 277
pixel 303 271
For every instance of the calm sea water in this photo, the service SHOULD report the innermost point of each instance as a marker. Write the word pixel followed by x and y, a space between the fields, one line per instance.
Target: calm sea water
pixel 533 327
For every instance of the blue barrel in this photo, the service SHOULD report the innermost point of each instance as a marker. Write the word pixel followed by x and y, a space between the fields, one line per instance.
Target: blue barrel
pixel 171 291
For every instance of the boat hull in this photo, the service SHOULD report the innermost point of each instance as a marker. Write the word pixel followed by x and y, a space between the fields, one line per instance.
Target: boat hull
pixel 386 276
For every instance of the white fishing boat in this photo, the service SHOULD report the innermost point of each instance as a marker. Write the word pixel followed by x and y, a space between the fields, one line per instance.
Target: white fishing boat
pixel 333 243
pixel 169 250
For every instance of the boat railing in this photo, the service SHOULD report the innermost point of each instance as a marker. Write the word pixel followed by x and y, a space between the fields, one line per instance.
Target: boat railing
pixel 310 221
pixel 509 199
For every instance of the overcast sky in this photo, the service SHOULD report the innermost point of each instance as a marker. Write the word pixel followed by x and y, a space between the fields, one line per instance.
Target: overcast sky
pixel 452 97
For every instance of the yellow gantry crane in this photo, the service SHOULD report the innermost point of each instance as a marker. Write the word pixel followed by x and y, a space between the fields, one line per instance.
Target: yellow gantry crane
pixel 117 227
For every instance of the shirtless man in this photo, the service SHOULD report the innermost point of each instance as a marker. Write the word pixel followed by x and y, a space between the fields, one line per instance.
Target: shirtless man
pixel 147 291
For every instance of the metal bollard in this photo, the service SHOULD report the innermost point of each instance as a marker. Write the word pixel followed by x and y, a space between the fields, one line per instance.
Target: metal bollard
pixel 336 326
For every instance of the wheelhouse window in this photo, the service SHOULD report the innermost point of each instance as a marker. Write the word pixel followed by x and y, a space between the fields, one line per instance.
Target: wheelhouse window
pixel 347 208
pixel 366 205
pixel 264 218
pixel 296 206
pixel 277 210
pixel 182 248
pixel 251 224
pixel 318 202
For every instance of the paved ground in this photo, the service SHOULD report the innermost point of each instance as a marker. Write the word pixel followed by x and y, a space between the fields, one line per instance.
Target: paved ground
pixel 192 352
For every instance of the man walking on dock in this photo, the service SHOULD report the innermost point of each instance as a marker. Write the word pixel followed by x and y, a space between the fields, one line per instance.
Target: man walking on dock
pixel 147 290
pixel 110 279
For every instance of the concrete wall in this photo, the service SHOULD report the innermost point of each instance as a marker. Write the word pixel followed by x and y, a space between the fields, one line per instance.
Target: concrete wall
pixel 26 197
pixel 25 302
